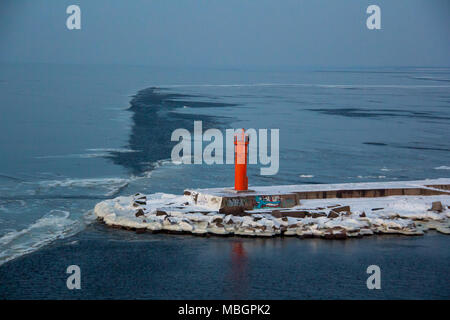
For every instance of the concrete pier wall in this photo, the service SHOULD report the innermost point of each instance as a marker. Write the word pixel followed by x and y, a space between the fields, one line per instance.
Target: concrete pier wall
pixel 289 196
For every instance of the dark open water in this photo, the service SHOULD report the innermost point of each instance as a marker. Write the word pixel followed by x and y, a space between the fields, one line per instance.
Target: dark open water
pixel 119 264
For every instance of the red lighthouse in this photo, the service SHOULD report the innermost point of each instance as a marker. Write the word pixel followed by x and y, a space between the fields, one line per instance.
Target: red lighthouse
pixel 240 161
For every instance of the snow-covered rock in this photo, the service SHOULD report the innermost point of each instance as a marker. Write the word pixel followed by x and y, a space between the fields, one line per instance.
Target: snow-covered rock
pixel 351 217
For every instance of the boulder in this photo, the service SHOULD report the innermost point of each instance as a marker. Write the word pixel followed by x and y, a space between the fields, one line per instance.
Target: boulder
pixel 139 213
pixel 443 229
pixel 335 233
pixel 342 209
pixel 436 206
pixel 292 214
pixel 235 211
pixel 161 213
pixel 276 214
pixel 318 214
pixel 297 214
pixel 217 220
pixel 340 235
pixel 328 235
pixel 363 215
pixel 333 214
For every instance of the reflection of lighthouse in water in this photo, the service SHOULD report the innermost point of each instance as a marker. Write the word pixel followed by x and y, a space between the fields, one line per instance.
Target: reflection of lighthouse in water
pixel 239 272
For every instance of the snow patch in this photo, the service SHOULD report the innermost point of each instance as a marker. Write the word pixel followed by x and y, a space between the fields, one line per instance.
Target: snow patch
pixel 442 168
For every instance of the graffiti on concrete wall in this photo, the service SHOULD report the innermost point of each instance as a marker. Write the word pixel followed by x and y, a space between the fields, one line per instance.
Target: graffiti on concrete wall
pixel 236 202
pixel 267 201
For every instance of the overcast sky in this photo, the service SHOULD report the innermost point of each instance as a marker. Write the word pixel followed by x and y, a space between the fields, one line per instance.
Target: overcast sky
pixel 226 33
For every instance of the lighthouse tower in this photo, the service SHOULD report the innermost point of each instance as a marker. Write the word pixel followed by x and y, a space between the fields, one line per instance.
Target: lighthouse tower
pixel 241 140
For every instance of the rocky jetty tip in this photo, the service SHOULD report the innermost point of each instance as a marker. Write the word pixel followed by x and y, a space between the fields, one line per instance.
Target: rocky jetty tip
pixel 337 211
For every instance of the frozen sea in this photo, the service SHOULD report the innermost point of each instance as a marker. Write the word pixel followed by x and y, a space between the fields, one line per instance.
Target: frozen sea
pixel 72 135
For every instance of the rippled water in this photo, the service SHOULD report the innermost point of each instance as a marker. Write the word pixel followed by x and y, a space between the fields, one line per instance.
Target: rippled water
pixel 71 136
pixel 117 264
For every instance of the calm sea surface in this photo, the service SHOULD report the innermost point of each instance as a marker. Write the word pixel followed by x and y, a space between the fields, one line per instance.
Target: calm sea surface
pixel 71 136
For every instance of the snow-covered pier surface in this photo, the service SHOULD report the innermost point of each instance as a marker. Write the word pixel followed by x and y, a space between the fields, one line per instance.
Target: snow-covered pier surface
pixel 335 211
